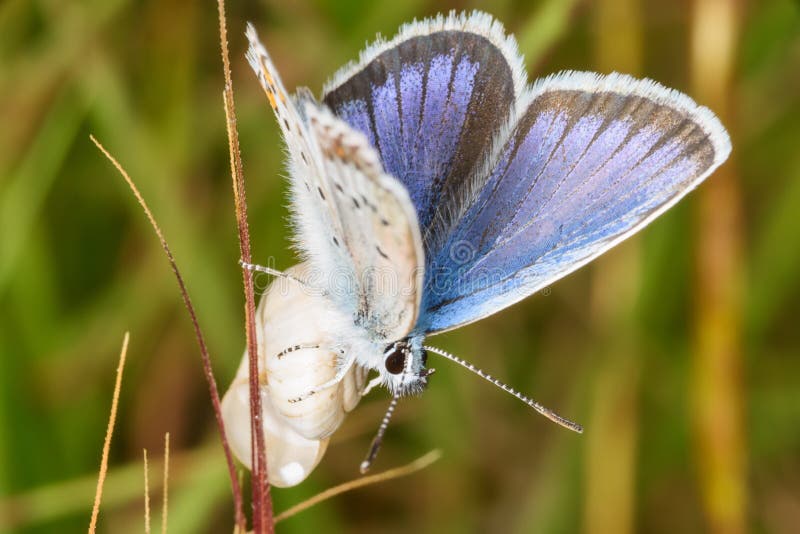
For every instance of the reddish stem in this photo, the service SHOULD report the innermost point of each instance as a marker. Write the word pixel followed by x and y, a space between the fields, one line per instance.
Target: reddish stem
pixel 198 333
pixel 262 500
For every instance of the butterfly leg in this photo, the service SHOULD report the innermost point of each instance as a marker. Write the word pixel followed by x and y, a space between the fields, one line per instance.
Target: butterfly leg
pixel 269 270
pixel 343 370
pixel 294 348
pixel 377 381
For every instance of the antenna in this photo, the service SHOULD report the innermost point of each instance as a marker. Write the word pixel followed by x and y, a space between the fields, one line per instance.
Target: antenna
pixel 566 423
pixel 378 439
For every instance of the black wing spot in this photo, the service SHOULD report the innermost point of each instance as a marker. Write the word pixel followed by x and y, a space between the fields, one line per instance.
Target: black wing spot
pixel 321 194
pixel 384 222
pixel 355 203
pixel 369 204
pixel 382 253
pixel 286 123
pixel 303 155
pixel 335 241
pixel 339 187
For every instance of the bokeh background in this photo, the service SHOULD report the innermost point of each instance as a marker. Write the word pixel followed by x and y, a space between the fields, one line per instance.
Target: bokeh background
pixel 678 351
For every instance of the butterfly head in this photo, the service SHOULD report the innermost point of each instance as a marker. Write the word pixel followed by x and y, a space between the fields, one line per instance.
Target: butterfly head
pixel 403 367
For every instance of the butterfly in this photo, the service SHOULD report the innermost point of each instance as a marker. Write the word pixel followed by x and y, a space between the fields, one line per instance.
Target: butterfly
pixel 432 186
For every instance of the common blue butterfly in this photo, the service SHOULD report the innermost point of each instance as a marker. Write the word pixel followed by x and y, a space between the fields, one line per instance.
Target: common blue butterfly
pixel 433 186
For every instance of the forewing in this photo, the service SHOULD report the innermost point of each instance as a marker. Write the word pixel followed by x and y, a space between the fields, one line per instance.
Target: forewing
pixel 314 215
pixel 431 101
pixel 591 161
pixel 354 223
pixel 381 233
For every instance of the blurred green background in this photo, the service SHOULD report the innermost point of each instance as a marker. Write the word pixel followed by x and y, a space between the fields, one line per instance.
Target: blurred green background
pixel 678 351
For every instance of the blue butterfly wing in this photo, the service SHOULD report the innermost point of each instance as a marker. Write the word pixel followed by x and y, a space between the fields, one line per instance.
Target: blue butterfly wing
pixel 590 161
pixel 431 101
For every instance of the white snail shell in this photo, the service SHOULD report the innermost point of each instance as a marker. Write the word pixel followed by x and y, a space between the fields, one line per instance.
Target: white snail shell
pixel 290 456
pixel 295 432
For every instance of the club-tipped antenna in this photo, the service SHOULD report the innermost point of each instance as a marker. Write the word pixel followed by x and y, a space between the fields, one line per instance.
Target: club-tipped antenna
pixel 378 439
pixel 550 414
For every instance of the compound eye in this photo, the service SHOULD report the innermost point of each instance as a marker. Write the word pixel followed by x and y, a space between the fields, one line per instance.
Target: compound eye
pixel 395 361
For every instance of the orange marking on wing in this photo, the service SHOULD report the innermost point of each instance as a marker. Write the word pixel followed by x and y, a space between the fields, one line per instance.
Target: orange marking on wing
pixel 270 81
